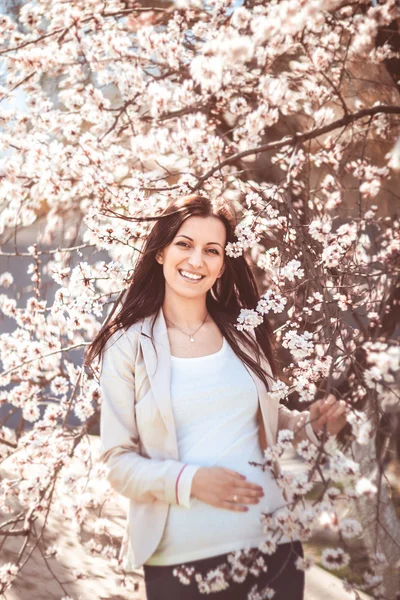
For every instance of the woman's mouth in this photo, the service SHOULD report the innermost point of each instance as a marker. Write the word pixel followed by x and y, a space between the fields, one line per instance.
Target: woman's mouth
pixel 190 277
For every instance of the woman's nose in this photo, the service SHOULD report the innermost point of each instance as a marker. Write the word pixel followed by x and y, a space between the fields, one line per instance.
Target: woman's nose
pixel 196 259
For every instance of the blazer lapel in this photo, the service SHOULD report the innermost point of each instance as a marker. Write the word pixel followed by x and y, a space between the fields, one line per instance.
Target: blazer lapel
pixel 266 414
pixel 158 368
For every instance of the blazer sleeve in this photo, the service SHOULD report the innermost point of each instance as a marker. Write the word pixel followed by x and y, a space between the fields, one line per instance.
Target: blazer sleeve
pixel 130 474
pixel 298 422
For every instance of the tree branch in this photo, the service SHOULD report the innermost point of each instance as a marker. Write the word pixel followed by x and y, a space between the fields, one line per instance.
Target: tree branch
pixel 301 137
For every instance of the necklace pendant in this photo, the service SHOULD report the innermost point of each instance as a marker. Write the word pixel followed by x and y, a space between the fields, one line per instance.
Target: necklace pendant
pixel 191 339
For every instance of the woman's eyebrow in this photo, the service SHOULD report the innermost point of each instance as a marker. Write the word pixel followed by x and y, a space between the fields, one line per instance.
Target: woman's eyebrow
pixel 189 238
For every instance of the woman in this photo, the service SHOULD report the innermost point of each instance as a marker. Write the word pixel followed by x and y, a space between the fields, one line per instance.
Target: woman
pixel 185 408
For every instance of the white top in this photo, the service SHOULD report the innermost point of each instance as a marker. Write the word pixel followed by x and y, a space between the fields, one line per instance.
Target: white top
pixel 214 402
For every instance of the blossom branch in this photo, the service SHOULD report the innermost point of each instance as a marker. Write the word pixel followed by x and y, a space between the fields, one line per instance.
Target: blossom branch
pixel 300 137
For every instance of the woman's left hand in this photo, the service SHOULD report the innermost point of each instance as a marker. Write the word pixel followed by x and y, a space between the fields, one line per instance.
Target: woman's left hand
pixel 330 411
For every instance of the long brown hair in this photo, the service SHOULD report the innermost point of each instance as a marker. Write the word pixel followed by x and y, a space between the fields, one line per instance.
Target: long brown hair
pixel 234 290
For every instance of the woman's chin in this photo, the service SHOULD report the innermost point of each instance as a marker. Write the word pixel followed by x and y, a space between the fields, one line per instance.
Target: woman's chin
pixel 188 291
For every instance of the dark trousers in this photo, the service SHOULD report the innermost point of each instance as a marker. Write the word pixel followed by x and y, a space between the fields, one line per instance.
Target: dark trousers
pixel 281 575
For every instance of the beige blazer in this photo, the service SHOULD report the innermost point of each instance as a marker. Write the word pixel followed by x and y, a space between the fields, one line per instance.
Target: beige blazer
pixel 138 436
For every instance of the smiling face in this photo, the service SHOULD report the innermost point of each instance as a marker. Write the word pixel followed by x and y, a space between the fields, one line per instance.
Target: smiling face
pixel 196 250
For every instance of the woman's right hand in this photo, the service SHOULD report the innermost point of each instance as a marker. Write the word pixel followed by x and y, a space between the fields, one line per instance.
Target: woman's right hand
pixel 217 486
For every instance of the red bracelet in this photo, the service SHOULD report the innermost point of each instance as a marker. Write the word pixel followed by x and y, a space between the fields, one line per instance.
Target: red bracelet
pixel 176 484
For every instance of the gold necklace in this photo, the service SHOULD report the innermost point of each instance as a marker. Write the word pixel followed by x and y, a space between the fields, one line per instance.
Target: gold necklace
pixel 191 334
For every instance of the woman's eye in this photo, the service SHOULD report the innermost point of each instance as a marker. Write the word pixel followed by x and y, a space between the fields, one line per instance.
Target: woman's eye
pixel 213 250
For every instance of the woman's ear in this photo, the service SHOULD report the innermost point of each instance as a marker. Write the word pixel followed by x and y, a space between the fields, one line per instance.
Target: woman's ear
pixel 221 272
pixel 159 258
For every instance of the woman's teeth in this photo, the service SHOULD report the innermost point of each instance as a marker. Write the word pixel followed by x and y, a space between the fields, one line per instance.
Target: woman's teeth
pixel 189 277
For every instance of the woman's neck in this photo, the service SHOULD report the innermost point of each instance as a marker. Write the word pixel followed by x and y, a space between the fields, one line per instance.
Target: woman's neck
pixel 185 314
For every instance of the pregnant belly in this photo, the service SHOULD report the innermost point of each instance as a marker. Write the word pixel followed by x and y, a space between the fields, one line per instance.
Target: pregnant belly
pixel 204 526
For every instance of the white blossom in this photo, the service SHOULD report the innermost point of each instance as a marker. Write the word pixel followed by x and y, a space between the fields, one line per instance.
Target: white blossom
pixel 271 301
pixel 248 319
pixel 285 438
pixel 304 564
pixel 292 270
pixel 350 528
pixel 365 487
pixel 299 345
pixel 6 279
pixel 8 572
pixel 334 558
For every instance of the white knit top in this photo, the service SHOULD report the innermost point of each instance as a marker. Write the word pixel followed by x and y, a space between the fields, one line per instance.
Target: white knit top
pixel 214 403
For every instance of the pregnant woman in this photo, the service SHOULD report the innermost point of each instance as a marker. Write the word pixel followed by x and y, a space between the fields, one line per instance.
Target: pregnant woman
pixel 186 408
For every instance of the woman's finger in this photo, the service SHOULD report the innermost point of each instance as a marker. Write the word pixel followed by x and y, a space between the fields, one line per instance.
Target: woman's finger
pixel 326 415
pixel 340 408
pixel 337 420
pixel 334 417
pixel 233 474
pixel 327 403
pixel 315 409
pixel 336 414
